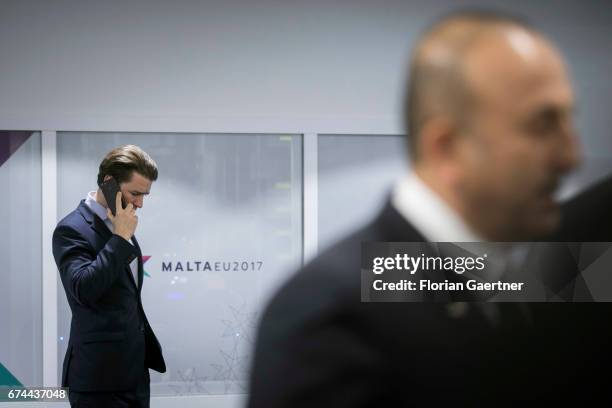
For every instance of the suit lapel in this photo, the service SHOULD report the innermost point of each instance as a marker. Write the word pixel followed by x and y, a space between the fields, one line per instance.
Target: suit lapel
pixel 140 267
pixel 394 227
pixel 94 221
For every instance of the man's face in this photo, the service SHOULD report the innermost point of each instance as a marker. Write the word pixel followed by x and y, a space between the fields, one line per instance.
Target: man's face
pixel 520 138
pixel 135 190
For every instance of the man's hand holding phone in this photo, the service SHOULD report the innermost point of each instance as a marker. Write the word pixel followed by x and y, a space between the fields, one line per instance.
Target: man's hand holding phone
pixel 125 221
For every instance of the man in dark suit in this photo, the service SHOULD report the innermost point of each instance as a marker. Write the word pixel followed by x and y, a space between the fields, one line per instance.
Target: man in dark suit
pixel 490 132
pixel 111 344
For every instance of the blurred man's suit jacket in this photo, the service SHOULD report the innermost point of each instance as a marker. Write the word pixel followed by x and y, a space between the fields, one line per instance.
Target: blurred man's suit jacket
pixel 111 342
pixel 319 346
pixel 588 216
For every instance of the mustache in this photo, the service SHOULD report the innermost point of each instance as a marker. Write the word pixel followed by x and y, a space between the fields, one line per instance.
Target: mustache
pixel 549 187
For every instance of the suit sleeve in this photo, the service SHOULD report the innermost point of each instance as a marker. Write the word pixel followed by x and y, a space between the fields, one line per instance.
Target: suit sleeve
pixel 85 275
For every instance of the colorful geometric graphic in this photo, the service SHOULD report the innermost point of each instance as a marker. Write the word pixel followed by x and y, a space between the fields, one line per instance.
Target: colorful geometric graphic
pixel 145 258
pixel 6 378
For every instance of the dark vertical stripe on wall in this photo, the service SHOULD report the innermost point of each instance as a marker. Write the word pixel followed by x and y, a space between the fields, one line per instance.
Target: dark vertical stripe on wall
pixel 10 141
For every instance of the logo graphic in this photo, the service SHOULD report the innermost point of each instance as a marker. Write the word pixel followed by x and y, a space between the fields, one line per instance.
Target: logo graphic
pixel 145 258
pixel 7 378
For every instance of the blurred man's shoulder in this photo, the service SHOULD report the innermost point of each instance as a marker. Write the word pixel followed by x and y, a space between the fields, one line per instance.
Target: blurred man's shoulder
pixel 330 284
pixel 329 279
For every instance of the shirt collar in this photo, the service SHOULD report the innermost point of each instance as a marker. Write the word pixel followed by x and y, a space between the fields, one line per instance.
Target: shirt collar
pixel 429 214
pixel 95 206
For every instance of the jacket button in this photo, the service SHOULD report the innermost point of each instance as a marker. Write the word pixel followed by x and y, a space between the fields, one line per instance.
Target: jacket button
pixel 142 329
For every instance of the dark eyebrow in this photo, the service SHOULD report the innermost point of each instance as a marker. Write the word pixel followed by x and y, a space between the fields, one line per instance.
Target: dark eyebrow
pixel 138 192
pixel 553 109
pixel 550 112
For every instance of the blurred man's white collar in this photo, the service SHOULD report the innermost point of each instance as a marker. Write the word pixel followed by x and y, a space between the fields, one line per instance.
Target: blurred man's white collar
pixel 428 213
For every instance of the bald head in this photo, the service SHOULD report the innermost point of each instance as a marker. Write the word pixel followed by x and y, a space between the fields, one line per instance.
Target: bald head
pixel 489 112
pixel 440 84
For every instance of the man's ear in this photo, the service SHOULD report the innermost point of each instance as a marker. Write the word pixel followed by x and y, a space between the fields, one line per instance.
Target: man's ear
pixel 106 178
pixel 438 140
pixel 439 144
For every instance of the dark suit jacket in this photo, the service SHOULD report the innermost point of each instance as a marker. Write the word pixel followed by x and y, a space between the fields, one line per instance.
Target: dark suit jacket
pixel 319 346
pixel 588 216
pixel 111 341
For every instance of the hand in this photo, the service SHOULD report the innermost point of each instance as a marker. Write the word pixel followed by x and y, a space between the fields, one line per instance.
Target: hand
pixel 125 221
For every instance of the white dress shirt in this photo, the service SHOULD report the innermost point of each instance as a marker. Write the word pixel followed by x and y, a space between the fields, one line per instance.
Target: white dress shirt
pixel 428 213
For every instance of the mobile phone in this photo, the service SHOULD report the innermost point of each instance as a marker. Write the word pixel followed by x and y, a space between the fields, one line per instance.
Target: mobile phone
pixel 110 188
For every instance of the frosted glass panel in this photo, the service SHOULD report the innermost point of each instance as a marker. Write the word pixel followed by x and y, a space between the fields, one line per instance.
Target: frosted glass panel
pixel 220 230
pixel 20 252
pixel 356 173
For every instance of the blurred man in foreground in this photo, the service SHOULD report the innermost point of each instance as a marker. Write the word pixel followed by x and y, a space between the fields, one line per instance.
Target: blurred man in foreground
pixel 489 113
